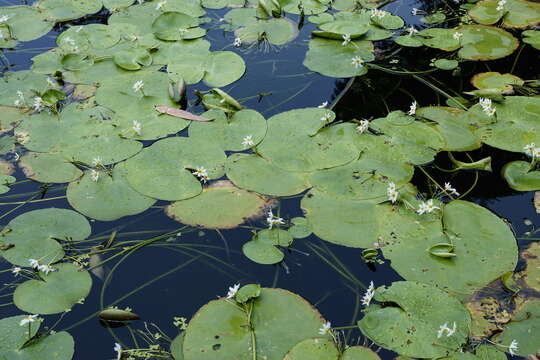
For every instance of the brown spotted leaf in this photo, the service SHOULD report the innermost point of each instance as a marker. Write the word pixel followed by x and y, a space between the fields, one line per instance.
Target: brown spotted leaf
pixel 179 113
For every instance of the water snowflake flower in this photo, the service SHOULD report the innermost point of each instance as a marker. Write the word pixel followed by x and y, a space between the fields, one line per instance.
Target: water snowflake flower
pixel 426 207
pixel 412 109
pixel 457 35
pixel 513 348
pixel 536 153
pixel 529 149
pixel 33 263
pixel 449 189
pixel 118 349
pixel 138 85
pixel 97 162
pixel 4 18
pixel 346 39
pixel 370 292
pixel 200 172
pixel 46 269
pixel 20 101
pixel 484 102
pixel 326 328
pixel 490 111
pixel 38 104
pixel 160 5
pixel 445 329
pixel 327 116
pixel 364 125
pixel 393 196
pixel 232 291
pixel 273 220
pixel 94 175
pixel 500 5
pixel 237 42
pixel 136 127
pixel 323 105
pixel 28 319
pixel 16 270
pixel 415 11
pixel 248 141
pixel 378 13
pixel 412 30
pixel 357 62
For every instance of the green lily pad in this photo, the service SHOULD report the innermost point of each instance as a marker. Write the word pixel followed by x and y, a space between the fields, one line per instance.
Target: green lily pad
pixel 27 23
pixel 489 352
pixel 13 334
pixel 446 64
pixel 525 322
pixel 409 323
pixel 409 40
pixel 252 172
pixel 164 169
pixel 57 292
pixel 515 13
pixel 25 81
pixel 133 59
pixel 280 320
pixel 230 131
pixel 295 141
pixel 519 177
pixel 481 42
pixel 247 292
pixel 276 31
pixel 481 241
pixel 56 346
pixel 64 10
pixel 5 181
pixel 109 198
pixel 359 353
pixel 48 168
pixel 310 7
pixel 220 4
pixel 532 37
pixel 262 248
pixel 313 349
pixel 172 25
pixel 34 232
pixel 495 80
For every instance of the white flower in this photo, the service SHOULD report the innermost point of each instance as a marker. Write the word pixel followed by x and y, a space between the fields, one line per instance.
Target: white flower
pixel 97 162
pixel 20 94
pixel 457 35
pixel 445 329
pixel 412 109
pixel 327 116
pixel 415 11
pixel 485 103
pixel 378 13
pixel 237 42
pixel 33 263
pixel 326 328
pixel 500 5
pixel 536 153
pixel 4 18
pixel 391 187
pixel 248 141
pixel 490 111
pixel 357 62
pixel 138 85
pixel 323 105
pixel 346 39
pixel 50 82
pixel 46 269
pixel 513 348
pixel 160 4
pixel 364 125
pixel 426 207
pixel 200 172
pixel 274 220
pixel 393 196
pixel 369 294
pixel 412 30
pixel 232 291
pixel 38 104
pixel 448 188
pixel 16 270
pixel 529 149
pixel 94 175
pixel 28 319
pixel 452 331
pixel 136 127
pixel 118 349
pixel 18 102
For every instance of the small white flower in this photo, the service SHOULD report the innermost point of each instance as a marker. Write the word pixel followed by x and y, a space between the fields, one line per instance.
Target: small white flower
pixel 326 328
pixel 391 187
pixel 484 103
pixel 346 39
pixel 237 42
pixel 513 348
pixel 364 125
pixel 18 102
pixel 457 35
pixel 370 292
pixel 248 141
pixel 118 349
pixel 28 319
pixel 16 270
pixel 448 188
pixel 4 18
pixel 412 30
pixel 393 196
pixel 33 263
pixel 323 105
pixel 415 11
pixel 20 94
pixel 138 85
pixel 378 13
pixel 273 220
pixel 412 109
pixel 357 62
pixel 536 153
pixel 500 5
pixel 442 329
pixel 94 175
pixel 529 149
pixel 490 111
pixel 232 291
pixel 430 206
pixel 38 104
pixel 451 331
pixel 136 127
pixel 327 116
pixel 160 4
pixel 97 162
pixel 46 269
pixel 422 208
pixel 200 172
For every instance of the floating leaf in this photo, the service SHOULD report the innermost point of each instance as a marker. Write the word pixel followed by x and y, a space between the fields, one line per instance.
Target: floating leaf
pixel 262 248
pixel 532 37
pixel 495 80
pixel 313 349
pixel 117 315
pixel 248 292
pixel 300 228
pixel 359 353
pixel 13 334
pixel 54 346
pixel 515 13
pixel 525 322
pixel 180 113
pixel 519 176
pixel 276 31
pixel 48 168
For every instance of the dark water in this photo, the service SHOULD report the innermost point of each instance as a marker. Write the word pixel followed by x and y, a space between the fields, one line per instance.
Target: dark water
pixel 216 262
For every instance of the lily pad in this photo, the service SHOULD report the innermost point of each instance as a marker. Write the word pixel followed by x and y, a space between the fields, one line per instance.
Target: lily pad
pixel 519 176
pixel 49 168
pixel 525 322
pixel 263 249
pixel 532 37
pixel 409 322
pixel 207 209
pixel 57 292
pixel 495 80
pixel 359 353
pixel 55 346
pixel 313 349
pixel 275 31
pixel 515 13
pixel 109 198
pixel 13 334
